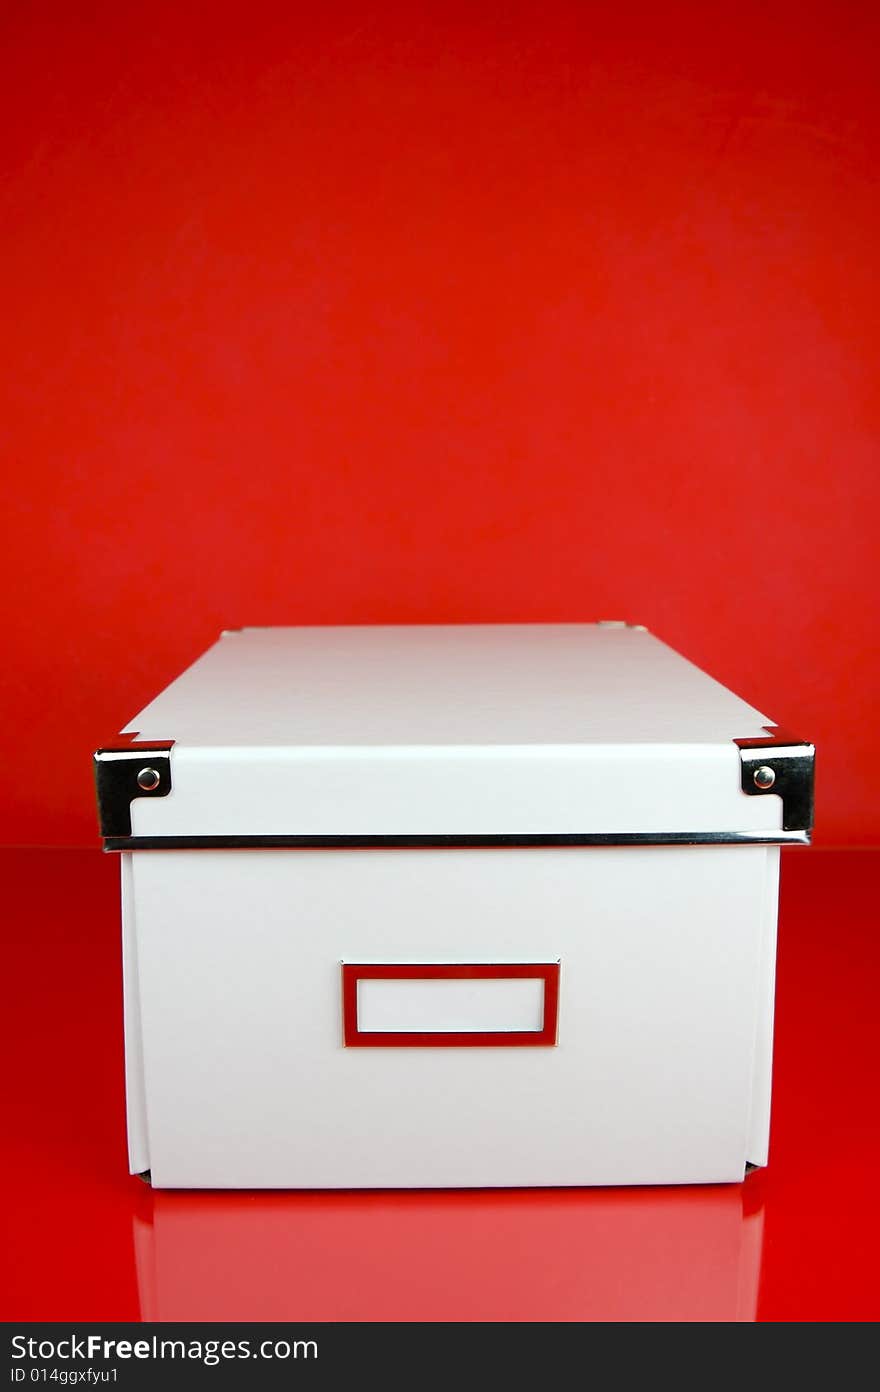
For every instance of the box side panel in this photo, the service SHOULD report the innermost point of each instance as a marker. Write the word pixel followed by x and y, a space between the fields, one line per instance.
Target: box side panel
pixel 249 1084
pixel 138 1144
pixel 762 1069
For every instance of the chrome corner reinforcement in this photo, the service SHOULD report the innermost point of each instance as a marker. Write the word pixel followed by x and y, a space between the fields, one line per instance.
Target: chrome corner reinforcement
pixel 124 771
pixel 781 764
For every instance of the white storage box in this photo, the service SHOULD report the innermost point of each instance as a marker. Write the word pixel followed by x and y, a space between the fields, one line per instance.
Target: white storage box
pixel 439 906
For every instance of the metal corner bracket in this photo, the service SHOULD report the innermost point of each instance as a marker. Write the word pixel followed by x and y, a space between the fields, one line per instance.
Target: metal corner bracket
pixel 781 764
pixel 125 771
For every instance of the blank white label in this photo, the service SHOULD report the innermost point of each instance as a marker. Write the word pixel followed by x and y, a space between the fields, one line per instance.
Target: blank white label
pixel 449 1006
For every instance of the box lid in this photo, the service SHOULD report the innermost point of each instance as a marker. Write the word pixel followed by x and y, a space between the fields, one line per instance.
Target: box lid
pixel 476 734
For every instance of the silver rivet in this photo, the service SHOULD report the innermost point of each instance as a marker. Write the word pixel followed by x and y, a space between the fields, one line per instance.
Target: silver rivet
pixel 764 776
pixel 150 778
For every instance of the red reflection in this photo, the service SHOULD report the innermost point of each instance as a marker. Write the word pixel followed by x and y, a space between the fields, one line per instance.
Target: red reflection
pixel 621 1254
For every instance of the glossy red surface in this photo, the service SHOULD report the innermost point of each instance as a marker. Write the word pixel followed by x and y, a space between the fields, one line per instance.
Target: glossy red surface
pixel 438 312
pixel 795 1242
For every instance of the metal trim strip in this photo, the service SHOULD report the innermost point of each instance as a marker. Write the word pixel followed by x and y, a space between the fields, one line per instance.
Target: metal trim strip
pixel 454 841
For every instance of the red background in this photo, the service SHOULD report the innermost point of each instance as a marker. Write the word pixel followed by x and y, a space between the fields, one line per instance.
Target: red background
pixel 445 312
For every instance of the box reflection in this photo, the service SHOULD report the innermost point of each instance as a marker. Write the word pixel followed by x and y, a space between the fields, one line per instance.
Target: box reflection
pixel 542 1255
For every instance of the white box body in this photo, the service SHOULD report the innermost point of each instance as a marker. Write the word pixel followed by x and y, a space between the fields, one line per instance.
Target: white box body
pixel 414 907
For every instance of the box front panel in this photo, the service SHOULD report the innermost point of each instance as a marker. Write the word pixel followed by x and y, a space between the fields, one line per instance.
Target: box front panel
pixel 248 1081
